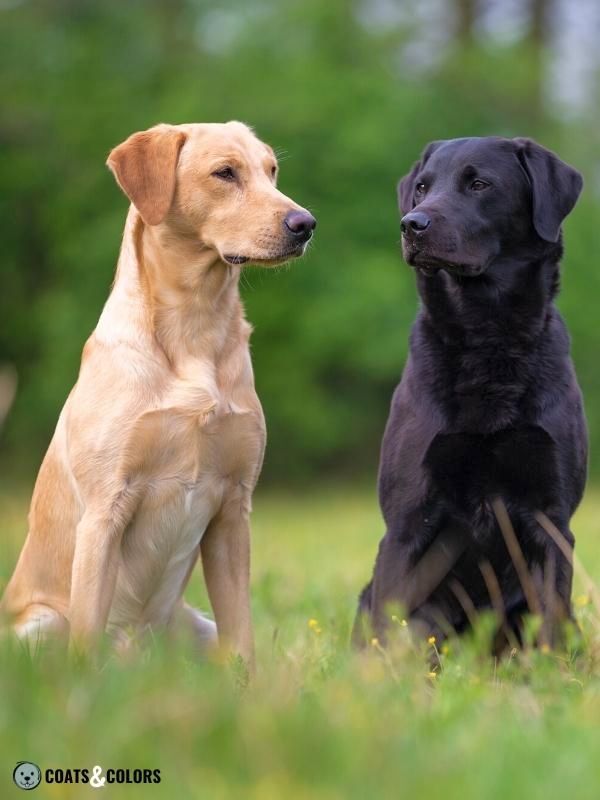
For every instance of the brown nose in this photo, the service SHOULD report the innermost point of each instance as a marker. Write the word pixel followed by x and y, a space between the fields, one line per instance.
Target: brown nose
pixel 300 224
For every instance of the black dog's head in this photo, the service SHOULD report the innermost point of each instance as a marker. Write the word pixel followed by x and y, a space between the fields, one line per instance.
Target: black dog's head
pixel 469 201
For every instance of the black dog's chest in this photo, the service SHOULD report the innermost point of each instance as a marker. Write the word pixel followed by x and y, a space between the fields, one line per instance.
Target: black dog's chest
pixel 483 389
pixel 467 470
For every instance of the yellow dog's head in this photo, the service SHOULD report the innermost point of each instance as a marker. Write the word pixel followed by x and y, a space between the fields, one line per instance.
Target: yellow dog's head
pixel 214 182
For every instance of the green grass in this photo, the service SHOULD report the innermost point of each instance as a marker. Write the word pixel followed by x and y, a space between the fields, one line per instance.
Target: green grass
pixel 319 721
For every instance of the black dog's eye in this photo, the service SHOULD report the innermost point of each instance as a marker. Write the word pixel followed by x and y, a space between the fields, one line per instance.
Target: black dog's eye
pixel 478 185
pixel 420 188
pixel 225 174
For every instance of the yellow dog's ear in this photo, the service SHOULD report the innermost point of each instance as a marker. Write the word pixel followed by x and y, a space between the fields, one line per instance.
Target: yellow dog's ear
pixel 144 166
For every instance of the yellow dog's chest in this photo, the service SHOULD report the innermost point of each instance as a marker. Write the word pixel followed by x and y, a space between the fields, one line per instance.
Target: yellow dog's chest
pixel 197 463
pixel 219 439
pixel 226 443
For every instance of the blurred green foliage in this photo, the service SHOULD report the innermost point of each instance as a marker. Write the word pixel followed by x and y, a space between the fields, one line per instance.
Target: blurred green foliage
pixel 335 94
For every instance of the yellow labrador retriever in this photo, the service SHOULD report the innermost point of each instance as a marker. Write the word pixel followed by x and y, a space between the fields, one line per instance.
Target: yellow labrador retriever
pixel 160 443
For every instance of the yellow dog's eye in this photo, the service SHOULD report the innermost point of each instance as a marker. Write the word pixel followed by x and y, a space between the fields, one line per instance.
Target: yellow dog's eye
pixel 273 171
pixel 225 174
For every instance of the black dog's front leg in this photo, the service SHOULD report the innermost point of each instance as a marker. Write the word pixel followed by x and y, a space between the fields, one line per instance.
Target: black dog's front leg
pixel 362 627
pixel 405 576
pixel 555 579
pixel 386 587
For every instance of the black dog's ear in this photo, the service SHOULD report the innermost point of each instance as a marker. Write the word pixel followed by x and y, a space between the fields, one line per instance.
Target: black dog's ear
pixel 406 185
pixel 406 188
pixel 555 187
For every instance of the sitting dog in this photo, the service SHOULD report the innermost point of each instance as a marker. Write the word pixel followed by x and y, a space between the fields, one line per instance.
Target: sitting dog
pixel 160 443
pixel 484 455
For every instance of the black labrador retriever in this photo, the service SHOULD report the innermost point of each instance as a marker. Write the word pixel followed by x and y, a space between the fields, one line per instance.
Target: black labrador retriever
pixel 485 451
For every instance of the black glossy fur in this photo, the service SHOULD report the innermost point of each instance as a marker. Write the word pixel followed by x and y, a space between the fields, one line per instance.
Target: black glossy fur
pixel 488 406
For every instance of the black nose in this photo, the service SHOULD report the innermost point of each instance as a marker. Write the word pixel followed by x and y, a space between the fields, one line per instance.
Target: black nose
pixel 414 223
pixel 301 224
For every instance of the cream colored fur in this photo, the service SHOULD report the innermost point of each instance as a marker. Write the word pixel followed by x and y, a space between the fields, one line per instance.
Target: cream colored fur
pixel 160 443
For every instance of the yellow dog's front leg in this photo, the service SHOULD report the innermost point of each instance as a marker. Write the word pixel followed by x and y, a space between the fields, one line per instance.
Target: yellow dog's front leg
pixel 94 577
pixel 225 551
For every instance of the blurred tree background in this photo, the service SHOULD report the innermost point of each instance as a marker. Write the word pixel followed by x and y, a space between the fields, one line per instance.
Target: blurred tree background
pixel 348 93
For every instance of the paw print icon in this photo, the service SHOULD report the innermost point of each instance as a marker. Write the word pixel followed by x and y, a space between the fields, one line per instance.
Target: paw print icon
pixel 27 775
